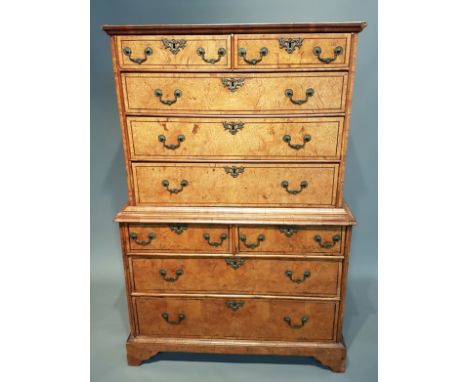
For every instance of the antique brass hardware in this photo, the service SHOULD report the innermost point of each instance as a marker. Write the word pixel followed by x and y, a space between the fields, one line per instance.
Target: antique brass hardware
pixel 234 171
pixel 221 53
pixel 285 185
pixel 289 274
pixel 134 236
pixel 232 83
pixel 175 46
pixel 328 245
pixel 235 262
pixel 234 305
pixel 288 231
pixel 222 237
pixel 171 146
pixel 183 183
pixel 179 272
pixel 177 93
pixel 290 44
pixel 289 93
pixel 337 51
pixel 297 146
pixel 304 319
pixel 178 228
pixel 233 127
pixel 254 61
pixel 128 52
pixel 181 317
pixel 260 238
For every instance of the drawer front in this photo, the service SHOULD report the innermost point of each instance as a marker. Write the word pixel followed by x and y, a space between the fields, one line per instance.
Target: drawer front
pixel 237 275
pixel 291 240
pixel 179 238
pixel 236 318
pixel 234 93
pixel 238 138
pixel 222 184
pixel 174 52
pixel 291 51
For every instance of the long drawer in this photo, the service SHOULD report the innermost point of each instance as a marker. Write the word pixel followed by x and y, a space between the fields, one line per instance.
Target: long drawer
pixel 155 138
pixel 315 277
pixel 222 184
pixel 246 318
pixel 234 93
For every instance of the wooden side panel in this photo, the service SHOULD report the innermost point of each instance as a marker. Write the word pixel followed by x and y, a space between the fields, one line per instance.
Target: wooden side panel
pixel 254 185
pixel 256 93
pixel 254 319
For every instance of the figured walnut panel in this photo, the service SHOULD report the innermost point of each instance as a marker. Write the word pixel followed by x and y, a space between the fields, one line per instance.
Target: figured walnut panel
pixel 235 138
pixel 257 185
pixel 262 93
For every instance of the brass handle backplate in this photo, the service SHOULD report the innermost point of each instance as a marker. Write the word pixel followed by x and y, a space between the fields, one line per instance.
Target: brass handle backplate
pixel 233 83
pixel 221 53
pixel 285 185
pixel 234 305
pixel 289 274
pixel 288 231
pixel 128 52
pixel 304 319
pixel 289 93
pixel 234 171
pixel 178 228
pixel 179 272
pixel 233 127
pixel 235 262
pixel 134 236
pixel 175 46
pixel 336 52
pixel 181 317
pixel 183 183
pixel 327 245
pixel 177 93
pixel 254 61
pixel 222 237
pixel 297 146
pixel 260 238
pixel 290 44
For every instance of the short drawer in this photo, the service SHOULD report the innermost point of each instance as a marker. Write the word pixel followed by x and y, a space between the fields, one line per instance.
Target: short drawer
pixel 315 277
pixel 190 238
pixel 244 318
pixel 234 93
pixel 270 51
pixel 291 240
pixel 223 184
pixel 235 138
pixel 174 52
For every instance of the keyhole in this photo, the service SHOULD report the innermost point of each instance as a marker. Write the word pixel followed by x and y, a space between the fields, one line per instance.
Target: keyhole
pixel 173 45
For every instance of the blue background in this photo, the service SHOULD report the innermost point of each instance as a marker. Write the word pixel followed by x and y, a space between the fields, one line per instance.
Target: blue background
pixel 109 320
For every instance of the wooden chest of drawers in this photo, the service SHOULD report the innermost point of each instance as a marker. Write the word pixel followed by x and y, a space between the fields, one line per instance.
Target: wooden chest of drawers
pixel 235 238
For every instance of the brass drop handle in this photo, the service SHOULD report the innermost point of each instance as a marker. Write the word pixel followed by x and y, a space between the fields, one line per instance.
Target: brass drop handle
pixel 260 238
pixel 179 272
pixel 181 317
pixel 177 93
pixel 304 319
pixel 134 236
pixel 235 262
pixel 289 93
pixel 171 146
pixel 285 185
pixel 306 138
pixel 222 237
pixel 289 274
pixel 318 51
pixel 221 53
pixel 128 52
pixel 183 183
pixel 234 305
pixel 254 61
pixel 327 245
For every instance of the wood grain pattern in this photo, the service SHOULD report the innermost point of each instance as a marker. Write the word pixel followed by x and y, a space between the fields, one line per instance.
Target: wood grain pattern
pixel 262 93
pixel 211 185
pixel 252 276
pixel 220 138
pixel 301 57
pixel 255 319
pixel 186 58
